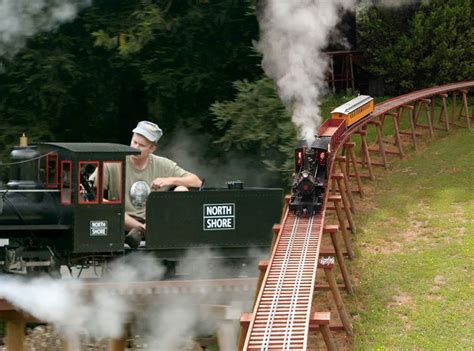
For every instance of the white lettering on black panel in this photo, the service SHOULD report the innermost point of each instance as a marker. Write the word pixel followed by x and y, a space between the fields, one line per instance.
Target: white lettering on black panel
pixel 98 228
pixel 219 216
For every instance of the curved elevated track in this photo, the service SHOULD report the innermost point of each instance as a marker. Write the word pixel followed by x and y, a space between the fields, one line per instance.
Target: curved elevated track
pixel 283 314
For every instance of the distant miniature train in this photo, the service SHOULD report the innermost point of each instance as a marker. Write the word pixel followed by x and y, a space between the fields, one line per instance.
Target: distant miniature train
pixel 53 215
pixel 311 162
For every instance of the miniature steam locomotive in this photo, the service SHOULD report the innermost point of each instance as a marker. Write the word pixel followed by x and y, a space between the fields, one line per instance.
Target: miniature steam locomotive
pixel 311 161
pixel 52 213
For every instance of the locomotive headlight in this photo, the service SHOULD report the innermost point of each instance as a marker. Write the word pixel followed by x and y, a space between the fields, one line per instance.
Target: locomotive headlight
pixel 306 185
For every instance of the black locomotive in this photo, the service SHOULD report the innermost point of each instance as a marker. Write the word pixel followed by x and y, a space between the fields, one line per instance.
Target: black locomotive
pixel 52 213
pixel 311 163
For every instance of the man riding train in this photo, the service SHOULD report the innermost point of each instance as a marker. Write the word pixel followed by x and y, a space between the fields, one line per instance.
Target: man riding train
pixel 144 173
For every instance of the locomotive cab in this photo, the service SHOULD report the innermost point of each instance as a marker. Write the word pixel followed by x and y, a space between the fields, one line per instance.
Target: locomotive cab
pixel 53 213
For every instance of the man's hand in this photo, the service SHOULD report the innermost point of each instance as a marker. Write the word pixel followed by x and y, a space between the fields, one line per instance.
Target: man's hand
pixel 162 182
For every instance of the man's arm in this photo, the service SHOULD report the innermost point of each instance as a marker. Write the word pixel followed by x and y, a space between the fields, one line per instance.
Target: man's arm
pixel 189 181
pixel 131 223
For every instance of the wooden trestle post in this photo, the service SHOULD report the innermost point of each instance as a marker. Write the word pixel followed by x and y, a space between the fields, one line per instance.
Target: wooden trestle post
pixel 327 263
pixel 443 113
pixel 396 133
pixel 338 177
pixel 321 321
pixel 379 141
pixel 332 230
pixel 411 118
pixel 426 103
pixel 15 332
pixel 365 154
pixel 70 343
pixel 336 199
pixel 262 268
pixel 349 148
pixel 341 160
pixel 244 328
pixel 119 343
pixel 464 111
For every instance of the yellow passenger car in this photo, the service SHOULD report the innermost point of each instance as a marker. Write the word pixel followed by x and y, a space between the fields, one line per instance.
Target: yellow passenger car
pixel 354 110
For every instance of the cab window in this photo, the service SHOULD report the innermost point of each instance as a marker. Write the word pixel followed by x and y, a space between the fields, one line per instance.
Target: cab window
pixel 52 170
pixel 87 190
pixel 112 182
pixel 66 190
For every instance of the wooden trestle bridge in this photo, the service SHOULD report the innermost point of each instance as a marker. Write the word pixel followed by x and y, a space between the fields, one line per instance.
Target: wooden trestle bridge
pixel 283 315
pixel 284 312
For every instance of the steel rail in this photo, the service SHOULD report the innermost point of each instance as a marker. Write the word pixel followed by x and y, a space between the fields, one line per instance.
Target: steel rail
pixel 281 315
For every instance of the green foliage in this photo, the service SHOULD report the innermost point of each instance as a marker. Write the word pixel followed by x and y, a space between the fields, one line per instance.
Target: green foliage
pixel 188 54
pixel 257 123
pixel 419 45
pixel 121 61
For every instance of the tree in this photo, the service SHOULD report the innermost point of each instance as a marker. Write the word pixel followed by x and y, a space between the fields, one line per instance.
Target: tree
pixel 419 45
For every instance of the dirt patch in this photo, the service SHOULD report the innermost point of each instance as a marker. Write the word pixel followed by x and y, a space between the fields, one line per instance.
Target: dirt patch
pixel 402 299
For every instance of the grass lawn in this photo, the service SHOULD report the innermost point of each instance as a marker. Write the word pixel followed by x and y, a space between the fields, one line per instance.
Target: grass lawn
pixel 415 245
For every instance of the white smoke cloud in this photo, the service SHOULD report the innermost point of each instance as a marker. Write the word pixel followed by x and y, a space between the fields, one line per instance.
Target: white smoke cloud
pixel 293 34
pixel 101 313
pixel 170 323
pixel 21 19
pixel 174 322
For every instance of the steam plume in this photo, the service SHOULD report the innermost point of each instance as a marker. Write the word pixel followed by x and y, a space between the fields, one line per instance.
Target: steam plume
pixel 61 302
pixel 21 19
pixel 292 36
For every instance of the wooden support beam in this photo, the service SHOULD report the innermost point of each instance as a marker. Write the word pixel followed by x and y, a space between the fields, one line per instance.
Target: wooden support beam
pixel 15 335
pixel 327 264
pixel 120 343
pixel 342 161
pixel 349 148
pixel 365 154
pixel 338 177
pixel 424 104
pixel 332 231
pixel 396 132
pixel 443 113
pixel 464 111
pixel 321 321
pixel 245 320
pixel 337 199
pixel 378 129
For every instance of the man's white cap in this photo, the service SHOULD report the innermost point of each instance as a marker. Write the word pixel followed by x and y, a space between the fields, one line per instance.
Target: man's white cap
pixel 149 130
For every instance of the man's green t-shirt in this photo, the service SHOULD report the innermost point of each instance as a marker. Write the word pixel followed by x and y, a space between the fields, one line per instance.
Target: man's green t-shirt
pixel 138 182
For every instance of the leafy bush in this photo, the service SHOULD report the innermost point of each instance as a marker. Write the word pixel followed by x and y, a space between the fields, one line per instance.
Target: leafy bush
pixel 420 45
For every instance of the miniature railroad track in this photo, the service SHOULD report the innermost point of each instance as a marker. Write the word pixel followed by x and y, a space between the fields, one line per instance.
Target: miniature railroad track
pixel 282 315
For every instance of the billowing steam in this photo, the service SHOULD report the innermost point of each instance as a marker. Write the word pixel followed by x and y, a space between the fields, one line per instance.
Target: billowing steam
pixel 167 322
pixel 21 19
pixel 293 34
pixel 63 303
